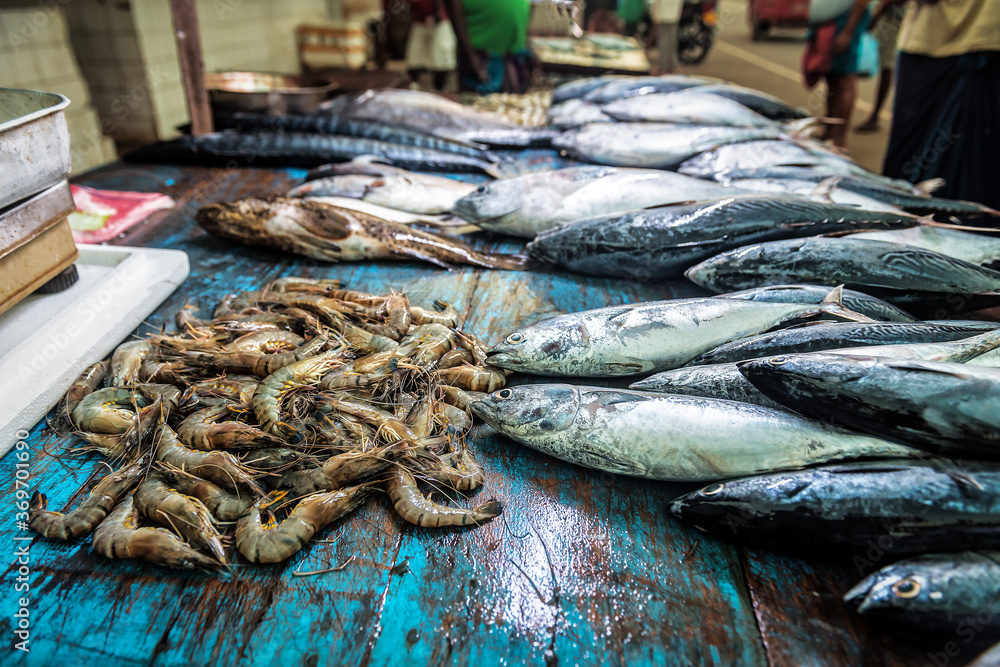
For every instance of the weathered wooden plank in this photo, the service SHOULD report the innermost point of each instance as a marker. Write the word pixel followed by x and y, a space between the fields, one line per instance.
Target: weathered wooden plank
pixel 804 620
pixel 583 568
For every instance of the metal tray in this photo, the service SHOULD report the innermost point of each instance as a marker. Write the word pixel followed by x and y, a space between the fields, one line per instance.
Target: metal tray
pixel 34 143
pixel 274 94
pixel 28 218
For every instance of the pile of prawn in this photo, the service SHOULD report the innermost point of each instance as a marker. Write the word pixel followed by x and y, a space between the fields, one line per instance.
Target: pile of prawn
pixel 281 414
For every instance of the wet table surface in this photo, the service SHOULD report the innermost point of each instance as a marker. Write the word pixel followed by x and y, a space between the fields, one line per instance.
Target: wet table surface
pixel 582 568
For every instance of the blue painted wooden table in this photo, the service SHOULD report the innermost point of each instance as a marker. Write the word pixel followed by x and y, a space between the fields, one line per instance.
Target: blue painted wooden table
pixel 583 568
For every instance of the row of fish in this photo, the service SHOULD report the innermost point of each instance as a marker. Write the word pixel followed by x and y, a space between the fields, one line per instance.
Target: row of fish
pixel 813 434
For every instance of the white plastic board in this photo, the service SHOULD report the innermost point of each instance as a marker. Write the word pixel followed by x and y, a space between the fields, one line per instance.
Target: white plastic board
pixel 47 340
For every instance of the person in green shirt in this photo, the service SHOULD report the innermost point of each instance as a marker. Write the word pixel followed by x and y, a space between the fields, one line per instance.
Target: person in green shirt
pixel 632 13
pixel 492 44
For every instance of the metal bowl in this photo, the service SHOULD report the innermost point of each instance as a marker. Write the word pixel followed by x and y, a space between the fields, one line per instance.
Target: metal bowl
pixel 264 92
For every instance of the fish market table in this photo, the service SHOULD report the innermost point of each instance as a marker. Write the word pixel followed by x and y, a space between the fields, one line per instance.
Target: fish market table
pixel 581 568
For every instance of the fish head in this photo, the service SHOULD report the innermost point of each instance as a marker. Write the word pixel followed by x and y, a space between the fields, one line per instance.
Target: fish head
pixel 721 507
pixel 803 375
pixel 526 412
pixel 895 592
pixel 544 347
pixel 233 219
pixel 491 201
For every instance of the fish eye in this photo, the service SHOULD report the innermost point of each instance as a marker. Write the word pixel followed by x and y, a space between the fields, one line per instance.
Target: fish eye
pixel 505 393
pixel 713 489
pixel 481 188
pixel 515 338
pixel 906 588
pixel 777 361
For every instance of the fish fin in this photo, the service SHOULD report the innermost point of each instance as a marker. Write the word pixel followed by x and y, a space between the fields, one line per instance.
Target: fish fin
pixel 832 304
pixel 929 186
pixel 824 191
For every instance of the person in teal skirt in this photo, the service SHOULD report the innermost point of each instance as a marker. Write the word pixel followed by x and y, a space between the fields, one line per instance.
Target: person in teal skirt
pixel 837 45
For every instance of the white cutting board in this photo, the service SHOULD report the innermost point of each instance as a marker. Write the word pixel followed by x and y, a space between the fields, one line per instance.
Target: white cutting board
pixel 47 340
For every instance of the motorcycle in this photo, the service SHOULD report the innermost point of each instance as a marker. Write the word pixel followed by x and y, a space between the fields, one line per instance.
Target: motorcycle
pixel 696 31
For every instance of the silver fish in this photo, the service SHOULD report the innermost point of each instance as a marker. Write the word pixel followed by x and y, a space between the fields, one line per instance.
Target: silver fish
pixel 527 205
pixel 766 105
pixel 390 187
pixel 576 89
pixel 436 115
pixel 672 438
pixel 646 85
pixel 685 108
pixel 847 261
pixel 651 145
pixel 576 113
pixel 643 337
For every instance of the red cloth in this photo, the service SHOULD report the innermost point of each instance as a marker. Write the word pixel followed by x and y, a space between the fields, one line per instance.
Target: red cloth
pixel 421 10
pixel 817 59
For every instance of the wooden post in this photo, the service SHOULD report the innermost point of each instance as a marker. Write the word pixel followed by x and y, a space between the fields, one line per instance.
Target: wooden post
pixel 192 65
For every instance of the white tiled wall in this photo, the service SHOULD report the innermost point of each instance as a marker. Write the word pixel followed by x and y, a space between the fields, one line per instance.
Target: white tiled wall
pixel 256 35
pixel 35 54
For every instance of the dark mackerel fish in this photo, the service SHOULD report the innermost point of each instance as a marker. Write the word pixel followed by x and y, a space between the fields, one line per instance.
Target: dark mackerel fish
pixel 835 335
pixel 948 595
pixel 903 506
pixel 898 273
pixel 298 149
pixel 946 408
pixel 663 242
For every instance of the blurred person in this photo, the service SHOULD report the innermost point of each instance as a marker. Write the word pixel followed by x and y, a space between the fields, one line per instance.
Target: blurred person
pixel 632 14
pixel 833 53
pixel 666 16
pixel 492 40
pixel 885 27
pixel 946 110
pixel 431 46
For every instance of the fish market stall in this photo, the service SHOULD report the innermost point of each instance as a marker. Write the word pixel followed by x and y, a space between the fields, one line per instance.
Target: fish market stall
pixel 623 558
pixel 591 54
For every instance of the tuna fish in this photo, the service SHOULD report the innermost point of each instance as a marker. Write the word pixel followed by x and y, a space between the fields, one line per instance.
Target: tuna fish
pixel 652 145
pixel 671 438
pixel 527 205
pixel 857 263
pixel 953 595
pixel 685 108
pixel 943 407
pixel 663 242
pixel 643 337
pixel 904 506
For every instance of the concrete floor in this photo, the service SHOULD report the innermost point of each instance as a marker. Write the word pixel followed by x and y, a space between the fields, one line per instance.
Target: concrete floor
pixel 773 66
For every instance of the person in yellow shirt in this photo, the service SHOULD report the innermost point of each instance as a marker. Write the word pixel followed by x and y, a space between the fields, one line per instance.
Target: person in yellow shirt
pixel 946 113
